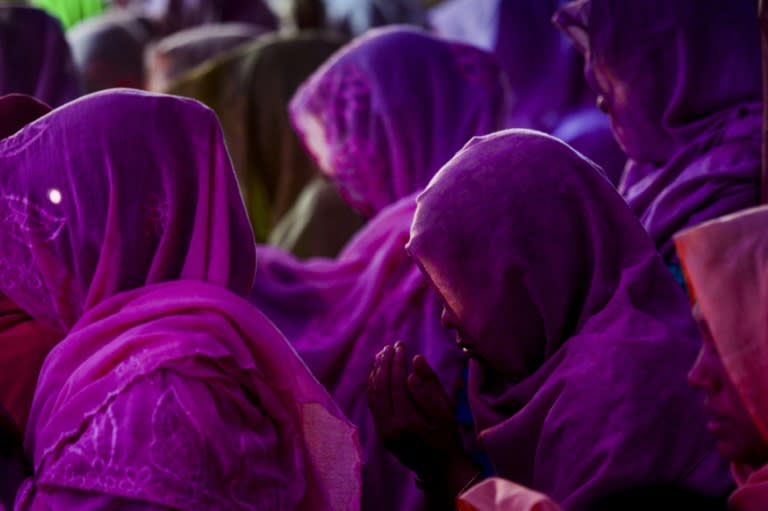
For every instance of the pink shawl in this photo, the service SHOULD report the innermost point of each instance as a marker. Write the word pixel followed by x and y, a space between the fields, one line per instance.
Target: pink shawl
pixel 583 337
pixel 726 263
pixel 169 389
pixel 390 128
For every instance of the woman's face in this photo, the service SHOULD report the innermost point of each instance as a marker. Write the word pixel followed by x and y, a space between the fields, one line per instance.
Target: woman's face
pixel 728 419
pixel 514 351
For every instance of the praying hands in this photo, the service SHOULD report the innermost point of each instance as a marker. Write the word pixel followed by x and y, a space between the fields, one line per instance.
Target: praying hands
pixel 414 419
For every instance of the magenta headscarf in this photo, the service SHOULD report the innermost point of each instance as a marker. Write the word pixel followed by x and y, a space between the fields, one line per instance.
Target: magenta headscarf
pixel 384 99
pixel 169 389
pixel 35 57
pixel 583 337
pixel 391 127
pixel 682 82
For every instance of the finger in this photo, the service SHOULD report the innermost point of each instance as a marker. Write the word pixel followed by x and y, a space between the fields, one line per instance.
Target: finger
pixel 401 400
pixel 379 399
pixel 428 393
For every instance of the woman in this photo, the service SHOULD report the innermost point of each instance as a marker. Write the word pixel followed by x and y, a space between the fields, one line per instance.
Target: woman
pixel 168 389
pixel 380 129
pixel 664 74
pixel 35 57
pixel 729 290
pixel 250 90
pixel 579 338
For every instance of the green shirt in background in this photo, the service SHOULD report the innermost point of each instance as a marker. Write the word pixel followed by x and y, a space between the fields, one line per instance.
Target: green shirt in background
pixel 71 12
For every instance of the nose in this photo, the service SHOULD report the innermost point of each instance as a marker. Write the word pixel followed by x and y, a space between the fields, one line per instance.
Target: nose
pixel 447 319
pixel 703 374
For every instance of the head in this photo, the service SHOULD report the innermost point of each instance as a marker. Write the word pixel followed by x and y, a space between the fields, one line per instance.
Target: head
pixel 172 56
pixel 123 208
pixel 647 59
pixel 730 292
pixel 728 418
pixel 386 111
pixel 491 230
pixel 108 51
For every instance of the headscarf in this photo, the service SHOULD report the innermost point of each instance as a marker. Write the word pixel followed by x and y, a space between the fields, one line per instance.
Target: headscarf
pixel 35 56
pixel 393 126
pixel 71 12
pixel 169 388
pixel 584 339
pixel 725 262
pixel 109 50
pixel 24 343
pixel 376 111
pixel 694 148
pixel 250 90
pixel 180 52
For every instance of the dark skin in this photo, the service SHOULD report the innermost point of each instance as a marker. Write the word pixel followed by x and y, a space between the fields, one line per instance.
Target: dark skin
pixel 414 419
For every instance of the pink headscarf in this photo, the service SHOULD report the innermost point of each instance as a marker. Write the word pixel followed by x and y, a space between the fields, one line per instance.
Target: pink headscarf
pixel 584 337
pixel 169 388
pixel 691 131
pixel 35 57
pixel 390 129
pixel 726 264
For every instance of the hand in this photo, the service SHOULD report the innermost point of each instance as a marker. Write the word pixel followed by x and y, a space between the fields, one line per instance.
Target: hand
pixel 414 417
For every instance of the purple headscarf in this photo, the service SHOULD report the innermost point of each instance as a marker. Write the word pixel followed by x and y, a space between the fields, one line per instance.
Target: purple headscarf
pixel 374 105
pixel 396 105
pixel 583 339
pixel 168 388
pixel 35 56
pixel 682 83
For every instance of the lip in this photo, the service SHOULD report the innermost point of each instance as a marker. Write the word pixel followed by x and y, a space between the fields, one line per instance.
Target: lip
pixel 466 347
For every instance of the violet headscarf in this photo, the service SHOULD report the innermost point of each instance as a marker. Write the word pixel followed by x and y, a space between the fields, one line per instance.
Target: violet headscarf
pixel 368 113
pixel 682 83
pixel 583 338
pixel 169 389
pixel 391 127
pixel 35 56
pixel 726 264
